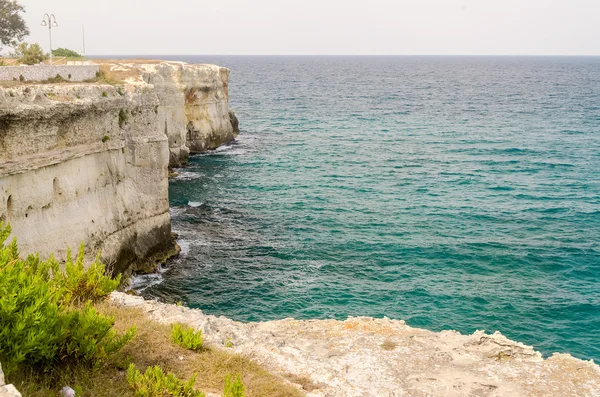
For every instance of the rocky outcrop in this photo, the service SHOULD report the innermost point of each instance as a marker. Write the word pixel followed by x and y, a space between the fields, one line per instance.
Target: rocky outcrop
pixel 89 162
pixel 7 390
pixel 382 357
pixel 193 106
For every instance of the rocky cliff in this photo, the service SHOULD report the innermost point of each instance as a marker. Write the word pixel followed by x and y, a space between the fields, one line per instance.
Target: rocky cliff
pixel 89 162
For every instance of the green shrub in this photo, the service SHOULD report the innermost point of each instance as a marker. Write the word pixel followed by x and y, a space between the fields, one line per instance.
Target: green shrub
pixel 105 138
pixel 65 52
pixel 42 321
pixel 29 54
pixel 57 79
pixel 154 383
pixel 234 388
pixel 186 337
pixel 123 117
pixel 80 284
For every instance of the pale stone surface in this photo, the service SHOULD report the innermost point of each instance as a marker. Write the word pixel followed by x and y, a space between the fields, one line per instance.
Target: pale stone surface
pixel 382 357
pixel 7 390
pixel 89 162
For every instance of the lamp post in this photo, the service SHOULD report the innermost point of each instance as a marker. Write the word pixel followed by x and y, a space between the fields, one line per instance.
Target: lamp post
pixel 50 21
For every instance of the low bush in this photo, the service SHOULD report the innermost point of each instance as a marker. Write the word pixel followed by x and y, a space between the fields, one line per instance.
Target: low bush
pixel 186 337
pixel 123 117
pixel 45 313
pixel 29 54
pixel 55 80
pixel 65 52
pixel 154 383
pixel 234 388
pixel 81 284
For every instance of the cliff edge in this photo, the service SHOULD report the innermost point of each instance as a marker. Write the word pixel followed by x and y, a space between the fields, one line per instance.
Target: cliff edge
pixel 88 162
pixel 364 356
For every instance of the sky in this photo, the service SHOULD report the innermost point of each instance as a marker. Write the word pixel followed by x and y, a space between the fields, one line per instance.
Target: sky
pixel 320 27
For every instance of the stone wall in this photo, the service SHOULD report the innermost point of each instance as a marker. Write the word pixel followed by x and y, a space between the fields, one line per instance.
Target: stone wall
pixel 44 72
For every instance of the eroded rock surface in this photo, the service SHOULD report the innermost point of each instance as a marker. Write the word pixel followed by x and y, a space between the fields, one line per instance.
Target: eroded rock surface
pixel 193 106
pixel 382 357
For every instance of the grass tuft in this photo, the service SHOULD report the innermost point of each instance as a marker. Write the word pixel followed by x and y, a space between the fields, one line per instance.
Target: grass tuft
pixel 186 337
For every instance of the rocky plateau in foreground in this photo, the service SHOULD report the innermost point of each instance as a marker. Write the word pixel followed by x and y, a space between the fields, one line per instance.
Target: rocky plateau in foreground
pixel 364 356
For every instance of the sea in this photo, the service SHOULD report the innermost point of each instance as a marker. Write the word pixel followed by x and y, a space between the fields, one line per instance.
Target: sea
pixel 456 193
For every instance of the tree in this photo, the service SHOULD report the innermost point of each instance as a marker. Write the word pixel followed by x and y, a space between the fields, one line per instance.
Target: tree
pixel 12 25
pixel 29 54
pixel 65 52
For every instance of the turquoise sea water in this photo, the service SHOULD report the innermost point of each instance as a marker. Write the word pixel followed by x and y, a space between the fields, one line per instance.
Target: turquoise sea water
pixel 453 193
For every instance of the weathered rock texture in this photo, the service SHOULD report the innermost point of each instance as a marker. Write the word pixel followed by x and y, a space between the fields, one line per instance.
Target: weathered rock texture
pixel 7 390
pixel 193 104
pixel 381 357
pixel 89 162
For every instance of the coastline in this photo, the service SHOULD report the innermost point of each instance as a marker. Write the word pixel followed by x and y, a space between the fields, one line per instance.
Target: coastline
pixel 363 356
pixel 360 356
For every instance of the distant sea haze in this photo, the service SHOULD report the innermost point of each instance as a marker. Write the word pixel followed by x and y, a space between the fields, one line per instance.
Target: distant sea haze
pixel 452 192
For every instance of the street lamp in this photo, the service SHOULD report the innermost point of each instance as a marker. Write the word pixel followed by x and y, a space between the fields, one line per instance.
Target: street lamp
pixel 50 21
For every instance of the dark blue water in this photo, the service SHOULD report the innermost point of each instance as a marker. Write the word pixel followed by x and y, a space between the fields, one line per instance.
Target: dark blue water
pixel 453 193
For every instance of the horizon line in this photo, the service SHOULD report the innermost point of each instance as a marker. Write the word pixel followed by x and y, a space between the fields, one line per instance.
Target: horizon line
pixel 353 55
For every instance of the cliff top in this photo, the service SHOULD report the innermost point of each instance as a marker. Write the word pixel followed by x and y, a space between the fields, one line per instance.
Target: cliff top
pixel 113 71
pixel 381 357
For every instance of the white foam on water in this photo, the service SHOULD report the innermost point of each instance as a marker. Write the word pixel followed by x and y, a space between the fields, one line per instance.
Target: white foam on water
pixel 187 175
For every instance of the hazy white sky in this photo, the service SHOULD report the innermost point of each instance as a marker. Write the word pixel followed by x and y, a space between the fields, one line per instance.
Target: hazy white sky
pixel 135 27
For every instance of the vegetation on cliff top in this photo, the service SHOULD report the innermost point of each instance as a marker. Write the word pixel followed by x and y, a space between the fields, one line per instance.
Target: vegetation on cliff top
pixel 57 328
pixel 65 52
pixel 46 313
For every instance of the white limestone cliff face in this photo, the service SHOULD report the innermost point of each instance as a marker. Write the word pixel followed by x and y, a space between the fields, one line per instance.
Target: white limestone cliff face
pixel 89 162
pixel 368 357
pixel 193 106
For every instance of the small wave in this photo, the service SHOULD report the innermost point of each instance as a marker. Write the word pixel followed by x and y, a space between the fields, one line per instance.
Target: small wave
pixel 142 282
pixel 187 175
pixel 195 204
